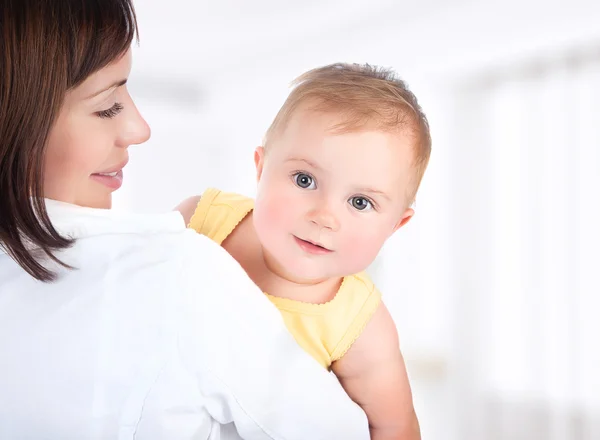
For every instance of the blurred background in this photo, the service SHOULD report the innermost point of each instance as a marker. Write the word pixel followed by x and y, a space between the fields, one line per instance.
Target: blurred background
pixel 494 284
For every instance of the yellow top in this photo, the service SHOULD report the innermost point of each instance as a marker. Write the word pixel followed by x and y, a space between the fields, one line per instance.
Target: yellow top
pixel 325 331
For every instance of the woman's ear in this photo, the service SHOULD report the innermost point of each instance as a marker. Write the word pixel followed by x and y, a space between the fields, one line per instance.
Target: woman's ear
pixel 259 157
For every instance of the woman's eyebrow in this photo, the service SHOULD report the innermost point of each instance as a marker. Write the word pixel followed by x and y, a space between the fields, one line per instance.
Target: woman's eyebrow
pixel 112 86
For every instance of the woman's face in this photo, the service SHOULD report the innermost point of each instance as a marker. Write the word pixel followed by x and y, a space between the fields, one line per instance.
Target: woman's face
pixel 87 146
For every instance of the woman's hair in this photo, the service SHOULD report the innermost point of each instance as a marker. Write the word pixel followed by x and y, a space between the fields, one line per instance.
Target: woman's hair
pixel 47 47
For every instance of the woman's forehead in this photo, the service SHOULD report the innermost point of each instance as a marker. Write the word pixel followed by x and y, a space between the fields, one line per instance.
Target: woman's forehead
pixel 113 75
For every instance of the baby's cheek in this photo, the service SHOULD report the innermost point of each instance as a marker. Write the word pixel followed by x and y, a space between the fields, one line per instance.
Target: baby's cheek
pixel 270 217
pixel 272 213
pixel 360 250
pixel 284 207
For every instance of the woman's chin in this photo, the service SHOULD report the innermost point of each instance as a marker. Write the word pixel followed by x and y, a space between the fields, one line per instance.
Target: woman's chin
pixel 96 201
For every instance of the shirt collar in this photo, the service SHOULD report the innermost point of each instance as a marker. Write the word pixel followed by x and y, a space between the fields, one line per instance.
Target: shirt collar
pixel 80 222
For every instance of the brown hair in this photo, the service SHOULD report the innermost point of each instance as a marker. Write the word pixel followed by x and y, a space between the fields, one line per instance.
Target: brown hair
pixel 47 47
pixel 365 96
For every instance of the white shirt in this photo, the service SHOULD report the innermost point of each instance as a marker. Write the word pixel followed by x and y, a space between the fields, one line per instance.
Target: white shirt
pixel 157 334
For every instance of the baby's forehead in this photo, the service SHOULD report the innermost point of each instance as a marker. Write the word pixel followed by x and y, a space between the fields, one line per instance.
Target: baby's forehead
pixel 368 158
pixel 352 119
pixel 306 118
pixel 311 128
pixel 309 122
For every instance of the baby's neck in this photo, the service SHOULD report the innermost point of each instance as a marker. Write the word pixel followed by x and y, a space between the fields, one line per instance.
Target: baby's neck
pixel 271 281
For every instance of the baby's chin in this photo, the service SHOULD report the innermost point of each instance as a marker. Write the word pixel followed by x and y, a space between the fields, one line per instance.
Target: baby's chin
pixel 302 269
pixel 316 275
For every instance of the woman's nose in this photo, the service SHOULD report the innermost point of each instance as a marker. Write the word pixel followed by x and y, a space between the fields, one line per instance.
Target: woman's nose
pixel 135 129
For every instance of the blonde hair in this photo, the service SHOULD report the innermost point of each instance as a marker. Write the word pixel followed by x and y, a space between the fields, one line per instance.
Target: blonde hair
pixel 365 96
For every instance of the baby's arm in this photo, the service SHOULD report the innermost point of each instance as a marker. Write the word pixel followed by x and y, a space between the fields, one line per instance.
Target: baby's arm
pixel 187 208
pixel 374 375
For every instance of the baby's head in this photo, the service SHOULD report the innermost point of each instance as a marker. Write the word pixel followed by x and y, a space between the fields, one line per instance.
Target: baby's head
pixel 338 171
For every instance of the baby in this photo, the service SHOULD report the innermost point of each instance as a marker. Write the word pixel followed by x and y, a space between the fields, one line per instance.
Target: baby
pixel 337 175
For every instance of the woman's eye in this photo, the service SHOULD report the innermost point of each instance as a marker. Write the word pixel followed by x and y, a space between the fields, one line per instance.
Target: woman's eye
pixel 361 203
pixel 111 112
pixel 304 181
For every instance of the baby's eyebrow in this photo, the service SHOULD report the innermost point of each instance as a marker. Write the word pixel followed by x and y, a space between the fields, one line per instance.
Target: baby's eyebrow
pixel 375 191
pixel 306 161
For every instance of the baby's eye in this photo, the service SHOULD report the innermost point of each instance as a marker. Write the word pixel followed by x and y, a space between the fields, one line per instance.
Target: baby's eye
pixel 360 203
pixel 304 181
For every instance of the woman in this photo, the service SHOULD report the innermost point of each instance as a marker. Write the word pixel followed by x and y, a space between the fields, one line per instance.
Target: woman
pixel 114 325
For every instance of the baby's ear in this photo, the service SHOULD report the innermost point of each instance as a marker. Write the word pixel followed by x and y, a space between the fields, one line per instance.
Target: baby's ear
pixel 259 157
pixel 408 214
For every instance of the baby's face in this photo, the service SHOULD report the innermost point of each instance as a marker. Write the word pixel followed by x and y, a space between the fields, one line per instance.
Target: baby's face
pixel 327 202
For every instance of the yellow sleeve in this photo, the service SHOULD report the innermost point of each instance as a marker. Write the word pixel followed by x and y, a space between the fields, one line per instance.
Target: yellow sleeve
pixel 218 213
pixel 371 298
pixel 327 331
